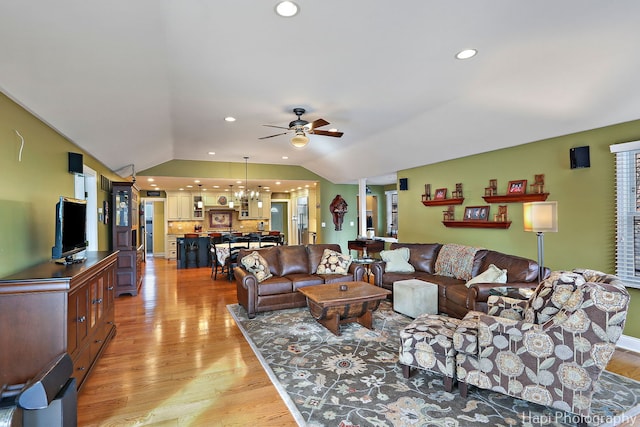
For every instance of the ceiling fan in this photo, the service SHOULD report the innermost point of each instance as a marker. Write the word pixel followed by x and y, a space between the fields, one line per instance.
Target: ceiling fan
pixel 301 127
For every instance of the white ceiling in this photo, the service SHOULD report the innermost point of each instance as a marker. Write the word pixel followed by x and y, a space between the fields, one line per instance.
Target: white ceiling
pixel 147 81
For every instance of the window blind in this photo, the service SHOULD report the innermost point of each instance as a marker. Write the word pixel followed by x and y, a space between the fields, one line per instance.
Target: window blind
pixel 628 213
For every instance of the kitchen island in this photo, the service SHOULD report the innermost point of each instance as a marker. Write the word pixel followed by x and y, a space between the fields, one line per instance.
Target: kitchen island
pixel 201 256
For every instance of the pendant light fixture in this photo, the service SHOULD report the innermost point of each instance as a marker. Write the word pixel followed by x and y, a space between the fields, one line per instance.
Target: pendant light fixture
pixel 200 203
pixel 246 194
pixel 231 205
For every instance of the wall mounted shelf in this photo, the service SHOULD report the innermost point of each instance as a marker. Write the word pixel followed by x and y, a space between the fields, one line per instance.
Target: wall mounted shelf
pixel 477 224
pixel 443 202
pixel 517 198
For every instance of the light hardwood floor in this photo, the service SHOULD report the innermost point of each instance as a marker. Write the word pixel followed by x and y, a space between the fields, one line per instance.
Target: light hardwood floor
pixel 178 359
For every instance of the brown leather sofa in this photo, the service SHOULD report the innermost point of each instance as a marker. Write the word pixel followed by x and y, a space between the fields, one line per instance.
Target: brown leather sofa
pixel 292 267
pixel 454 298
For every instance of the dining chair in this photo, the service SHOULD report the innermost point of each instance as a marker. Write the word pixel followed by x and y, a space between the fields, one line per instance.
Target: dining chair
pixel 234 244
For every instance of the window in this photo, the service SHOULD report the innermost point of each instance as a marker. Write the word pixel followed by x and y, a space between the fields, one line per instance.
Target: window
pixel 628 212
pixel 392 213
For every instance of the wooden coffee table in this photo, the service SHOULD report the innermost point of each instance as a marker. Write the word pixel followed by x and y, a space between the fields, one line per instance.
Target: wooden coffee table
pixel 332 307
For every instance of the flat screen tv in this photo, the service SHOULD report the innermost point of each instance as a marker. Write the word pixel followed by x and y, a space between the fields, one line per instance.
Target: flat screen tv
pixel 71 230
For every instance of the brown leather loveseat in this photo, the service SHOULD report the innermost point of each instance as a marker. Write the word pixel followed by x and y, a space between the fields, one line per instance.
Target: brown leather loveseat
pixel 454 297
pixel 292 267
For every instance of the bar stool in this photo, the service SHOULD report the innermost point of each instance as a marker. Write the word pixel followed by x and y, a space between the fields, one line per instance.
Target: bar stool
pixel 191 248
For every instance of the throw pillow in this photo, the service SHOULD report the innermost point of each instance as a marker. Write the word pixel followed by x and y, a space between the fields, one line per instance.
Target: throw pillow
pixel 397 261
pixel 333 262
pixel 256 264
pixel 492 274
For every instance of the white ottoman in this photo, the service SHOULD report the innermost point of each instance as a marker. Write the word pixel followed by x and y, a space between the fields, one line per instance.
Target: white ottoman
pixel 414 297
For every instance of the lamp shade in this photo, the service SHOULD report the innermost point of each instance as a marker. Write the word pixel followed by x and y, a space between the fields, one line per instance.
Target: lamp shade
pixel 299 141
pixel 541 217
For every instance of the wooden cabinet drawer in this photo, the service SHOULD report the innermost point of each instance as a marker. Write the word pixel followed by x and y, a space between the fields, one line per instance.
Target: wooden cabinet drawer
pixel 81 366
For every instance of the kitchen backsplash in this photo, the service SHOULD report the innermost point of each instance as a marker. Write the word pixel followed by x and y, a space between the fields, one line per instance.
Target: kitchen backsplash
pixel 245 226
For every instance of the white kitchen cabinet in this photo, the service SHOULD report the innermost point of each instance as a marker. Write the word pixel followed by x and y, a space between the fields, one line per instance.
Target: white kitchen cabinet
pixel 172 247
pixel 180 206
pixel 254 212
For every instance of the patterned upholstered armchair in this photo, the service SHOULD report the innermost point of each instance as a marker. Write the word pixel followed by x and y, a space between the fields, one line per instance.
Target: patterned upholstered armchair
pixel 550 349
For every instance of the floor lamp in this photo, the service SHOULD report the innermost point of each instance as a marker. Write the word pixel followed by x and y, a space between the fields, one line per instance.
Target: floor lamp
pixel 541 217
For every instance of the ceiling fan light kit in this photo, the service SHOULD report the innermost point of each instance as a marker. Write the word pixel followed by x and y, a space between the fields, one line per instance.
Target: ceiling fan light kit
pixel 300 140
pixel 301 127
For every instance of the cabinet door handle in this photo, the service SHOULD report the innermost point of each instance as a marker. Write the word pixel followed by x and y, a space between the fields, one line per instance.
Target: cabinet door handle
pixel 97 301
pixel 82 319
pixel 99 341
pixel 81 368
pixel 110 288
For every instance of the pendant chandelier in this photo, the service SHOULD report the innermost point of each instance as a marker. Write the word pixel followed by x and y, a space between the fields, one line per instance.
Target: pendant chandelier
pixel 246 194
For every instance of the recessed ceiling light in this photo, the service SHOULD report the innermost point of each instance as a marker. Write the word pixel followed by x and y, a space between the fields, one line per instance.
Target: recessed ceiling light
pixel 189 186
pixel 150 179
pixel 285 157
pixel 277 182
pixel 466 54
pixel 196 181
pixel 229 119
pixel 287 9
pixel 212 153
pixel 154 185
pixel 216 186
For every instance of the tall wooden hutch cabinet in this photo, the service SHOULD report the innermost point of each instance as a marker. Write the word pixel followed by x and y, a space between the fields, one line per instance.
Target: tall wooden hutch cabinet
pixel 126 237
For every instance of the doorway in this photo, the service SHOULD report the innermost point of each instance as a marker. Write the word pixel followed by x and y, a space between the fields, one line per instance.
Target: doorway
pixel 279 217
pixel 302 217
pixel 86 188
pixel 152 225
pixel 148 228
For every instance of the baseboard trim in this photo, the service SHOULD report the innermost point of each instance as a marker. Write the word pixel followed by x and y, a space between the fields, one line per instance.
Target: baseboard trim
pixel 629 343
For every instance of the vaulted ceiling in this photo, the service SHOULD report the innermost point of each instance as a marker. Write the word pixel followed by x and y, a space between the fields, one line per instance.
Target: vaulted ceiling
pixel 147 81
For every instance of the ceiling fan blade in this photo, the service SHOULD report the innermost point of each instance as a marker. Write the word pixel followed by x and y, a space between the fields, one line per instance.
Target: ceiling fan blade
pixel 274 126
pixel 271 136
pixel 326 133
pixel 317 123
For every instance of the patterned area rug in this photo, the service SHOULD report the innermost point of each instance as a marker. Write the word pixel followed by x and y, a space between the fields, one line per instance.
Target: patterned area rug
pixel 355 379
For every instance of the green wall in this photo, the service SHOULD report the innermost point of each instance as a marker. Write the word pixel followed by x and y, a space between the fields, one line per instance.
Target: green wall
pixel 34 176
pixel 586 202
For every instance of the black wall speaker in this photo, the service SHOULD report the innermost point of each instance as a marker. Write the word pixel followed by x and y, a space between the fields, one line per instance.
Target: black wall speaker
pixel 404 183
pixel 75 162
pixel 579 157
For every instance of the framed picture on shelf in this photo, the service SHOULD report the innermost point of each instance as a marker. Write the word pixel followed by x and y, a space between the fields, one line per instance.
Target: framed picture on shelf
pixel 441 194
pixel 476 213
pixel 517 187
